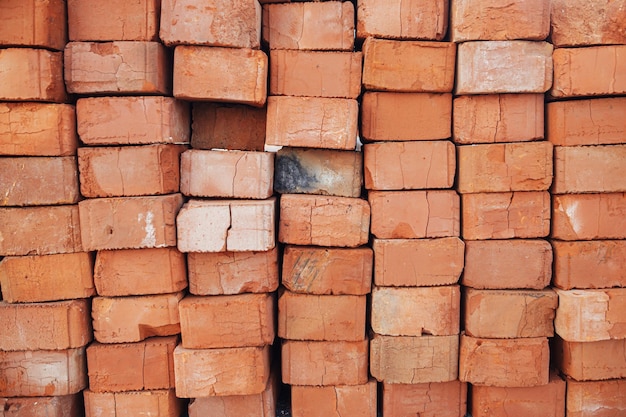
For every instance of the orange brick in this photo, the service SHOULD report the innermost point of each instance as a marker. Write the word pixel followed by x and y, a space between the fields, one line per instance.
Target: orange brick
pixel 417 262
pixel 414 359
pixel 321 317
pixel 133 319
pixel 414 214
pixel 139 271
pixel 590 361
pixel 437 399
pixel 589 216
pixel 33 23
pixel 334 401
pixel 490 67
pixel 32 75
pixel 121 67
pixel 323 221
pixel 520 214
pixel 161 403
pixel 596 398
pixel 601 20
pixel 589 169
pixel 520 362
pixel 312 122
pixel 408 66
pixel 58 406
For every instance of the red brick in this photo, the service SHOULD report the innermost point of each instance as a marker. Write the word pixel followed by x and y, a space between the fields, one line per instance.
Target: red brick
pixel 520 214
pixel 132 120
pixel 507 264
pixel 494 118
pixel 417 262
pixel 162 403
pixel 58 406
pixel 589 216
pixel 232 272
pixel 520 362
pixel 139 271
pixel 437 399
pixel 334 271
pixel 226 225
pixel 312 122
pixel 596 398
pixel 33 23
pixel 133 319
pixel 589 169
pixel 405 116
pixel 207 73
pixel 490 67
pixel 408 66
pixel 576 22
pixel 32 75
pixel 121 67
pixel 414 214
pixel 590 361
pixel 334 401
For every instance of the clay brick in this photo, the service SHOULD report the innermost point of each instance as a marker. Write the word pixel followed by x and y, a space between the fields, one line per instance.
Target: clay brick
pixel 409 165
pixel 589 216
pixel 589 169
pixel 232 272
pixel 58 406
pixel 323 220
pixel 161 403
pixel 33 23
pixel 318 171
pixel 490 67
pixel 437 399
pixel 334 271
pixel 312 122
pixel 520 362
pixel 129 222
pixel 139 271
pixel 408 66
pixel 414 360
pixel 38 181
pixel 42 372
pixel 324 363
pixel 596 398
pixel 494 118
pixel 405 116
pixel 133 319
pixel 334 401
pixel 590 71
pixel 31 75
pixel 208 73
pixel 132 120
pixel 321 317
pixel 226 225
pixel 414 214
pixel 577 22
pixel 221 372
pixel 121 67
pixel 417 262
pixel 228 174
pixel 507 264
pixel 520 214
pixel 590 361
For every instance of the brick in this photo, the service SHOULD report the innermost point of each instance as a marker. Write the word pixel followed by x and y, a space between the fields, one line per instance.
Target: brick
pixel 129 222
pixel 160 403
pixel 389 116
pixel 324 363
pixel 520 214
pixel 139 272
pixel 38 181
pixel 599 18
pixel 132 120
pixel 323 220
pixel 589 216
pixel 417 262
pixel 206 73
pixel 520 362
pixel 334 271
pixel 590 71
pixel 42 372
pixel 437 399
pixel 116 20
pixel 227 174
pixel 418 311
pixel 310 26
pixel 490 67
pixel 321 317
pixel 596 398
pixel 31 75
pixel 589 169
pixel 318 171
pixel 408 66
pixel 232 272
pixel 409 165
pixel 334 401
pixel 507 264
pixel 414 359
pixel 494 118
pixel 39 230
pixel 58 406
pixel 312 122
pixel 414 214
pixel 120 67
pixel 221 372
pixel 590 361
pixel 133 319
pixel 226 225
pixel 33 23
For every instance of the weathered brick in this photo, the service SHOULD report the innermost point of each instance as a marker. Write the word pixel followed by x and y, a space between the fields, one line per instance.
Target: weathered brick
pixel 579 22
pixel 596 398
pixel 589 216
pixel 160 403
pixel 33 23
pixel 334 401
pixel 57 406
pixel 590 361
pixel 589 169
pixel 31 75
pixel 436 399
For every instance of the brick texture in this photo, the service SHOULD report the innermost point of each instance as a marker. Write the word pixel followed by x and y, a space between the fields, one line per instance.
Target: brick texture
pixel 32 75
pixel 33 23
pixel 588 216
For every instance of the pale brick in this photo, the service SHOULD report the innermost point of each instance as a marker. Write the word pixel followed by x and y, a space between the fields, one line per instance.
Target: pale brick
pixel 589 216
pixel 589 169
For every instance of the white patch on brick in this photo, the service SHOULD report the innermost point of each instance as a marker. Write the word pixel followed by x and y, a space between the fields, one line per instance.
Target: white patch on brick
pixel 149 239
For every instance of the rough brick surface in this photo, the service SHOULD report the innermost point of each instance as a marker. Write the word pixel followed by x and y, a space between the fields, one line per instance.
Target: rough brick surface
pixel 160 403
pixel 590 361
pixel 31 75
pixel 334 401
pixel 437 399
pixel 589 169
pixel 33 23
pixel 596 398
pixel 580 23
pixel 589 216
pixel 57 406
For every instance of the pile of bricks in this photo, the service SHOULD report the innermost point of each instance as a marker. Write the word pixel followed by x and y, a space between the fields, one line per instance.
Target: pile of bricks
pixel 362 208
